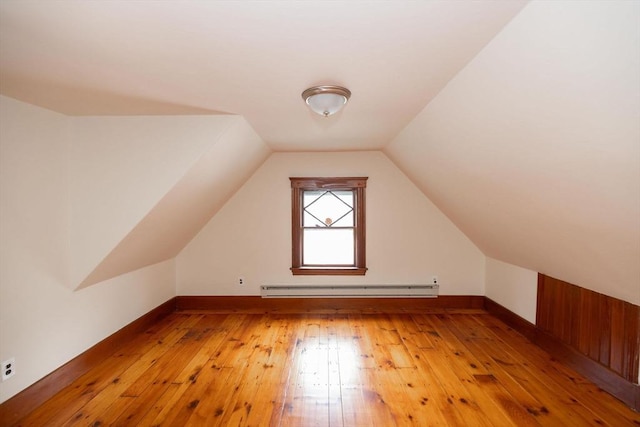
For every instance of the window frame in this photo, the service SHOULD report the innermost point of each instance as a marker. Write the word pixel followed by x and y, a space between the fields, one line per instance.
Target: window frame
pixel 355 184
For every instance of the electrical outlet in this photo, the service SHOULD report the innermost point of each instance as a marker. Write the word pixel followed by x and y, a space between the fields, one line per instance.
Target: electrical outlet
pixel 434 280
pixel 241 281
pixel 8 368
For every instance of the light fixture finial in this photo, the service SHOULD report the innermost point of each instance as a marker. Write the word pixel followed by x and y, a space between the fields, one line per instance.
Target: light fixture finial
pixel 326 100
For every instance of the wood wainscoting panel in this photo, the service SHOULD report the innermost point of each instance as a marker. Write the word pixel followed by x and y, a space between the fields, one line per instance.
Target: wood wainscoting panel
pixel 601 375
pixel 605 329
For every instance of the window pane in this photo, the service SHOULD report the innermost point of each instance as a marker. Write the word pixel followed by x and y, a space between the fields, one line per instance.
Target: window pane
pixel 327 208
pixel 328 246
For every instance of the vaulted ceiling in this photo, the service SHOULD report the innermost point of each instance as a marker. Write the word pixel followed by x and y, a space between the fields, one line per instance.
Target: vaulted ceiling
pixel 520 121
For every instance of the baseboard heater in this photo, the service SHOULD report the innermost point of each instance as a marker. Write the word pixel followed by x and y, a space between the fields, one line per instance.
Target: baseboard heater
pixel 349 291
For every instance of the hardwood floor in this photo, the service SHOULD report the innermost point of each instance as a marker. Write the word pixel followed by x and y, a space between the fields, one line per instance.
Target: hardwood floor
pixel 438 367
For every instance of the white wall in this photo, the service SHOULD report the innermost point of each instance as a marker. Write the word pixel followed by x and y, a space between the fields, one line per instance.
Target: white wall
pixel 533 149
pixel 121 167
pixel 408 238
pixel 43 323
pixel 513 287
pixel 212 156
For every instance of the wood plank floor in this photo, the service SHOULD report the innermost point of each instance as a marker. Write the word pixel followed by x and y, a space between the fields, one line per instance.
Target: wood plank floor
pixel 433 368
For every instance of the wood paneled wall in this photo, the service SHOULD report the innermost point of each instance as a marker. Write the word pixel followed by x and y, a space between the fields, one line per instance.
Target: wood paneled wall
pixel 603 328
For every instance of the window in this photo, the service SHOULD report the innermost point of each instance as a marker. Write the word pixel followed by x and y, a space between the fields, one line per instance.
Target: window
pixel 328 226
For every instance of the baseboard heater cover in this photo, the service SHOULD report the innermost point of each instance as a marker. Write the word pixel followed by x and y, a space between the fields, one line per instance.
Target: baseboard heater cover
pixel 346 291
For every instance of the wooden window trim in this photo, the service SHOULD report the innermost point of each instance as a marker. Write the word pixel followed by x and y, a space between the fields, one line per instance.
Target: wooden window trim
pixel 300 184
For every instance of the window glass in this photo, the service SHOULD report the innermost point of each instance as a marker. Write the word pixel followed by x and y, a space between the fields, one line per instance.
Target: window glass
pixel 327 208
pixel 324 246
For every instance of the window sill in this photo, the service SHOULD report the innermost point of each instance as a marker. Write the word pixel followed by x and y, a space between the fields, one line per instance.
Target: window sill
pixel 328 271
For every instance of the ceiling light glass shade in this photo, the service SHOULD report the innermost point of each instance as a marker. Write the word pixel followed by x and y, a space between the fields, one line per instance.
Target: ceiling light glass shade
pixel 326 100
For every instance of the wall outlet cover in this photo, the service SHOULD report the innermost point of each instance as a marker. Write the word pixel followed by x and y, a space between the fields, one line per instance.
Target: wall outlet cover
pixel 8 368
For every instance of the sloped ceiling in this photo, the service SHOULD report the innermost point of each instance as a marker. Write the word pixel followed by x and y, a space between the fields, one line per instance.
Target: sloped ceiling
pixel 229 158
pixel 533 149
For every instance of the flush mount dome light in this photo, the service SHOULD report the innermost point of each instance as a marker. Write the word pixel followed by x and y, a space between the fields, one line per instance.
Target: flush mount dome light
pixel 326 100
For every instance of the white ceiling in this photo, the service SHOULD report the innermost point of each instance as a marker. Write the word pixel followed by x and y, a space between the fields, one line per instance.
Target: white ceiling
pixel 248 58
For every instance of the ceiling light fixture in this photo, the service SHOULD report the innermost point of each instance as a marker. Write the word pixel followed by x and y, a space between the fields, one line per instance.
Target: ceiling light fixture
pixel 326 100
